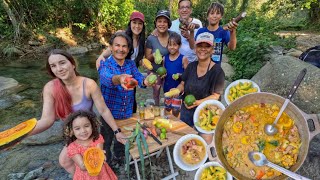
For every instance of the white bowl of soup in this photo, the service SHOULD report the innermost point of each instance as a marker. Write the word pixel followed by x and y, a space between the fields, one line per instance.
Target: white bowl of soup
pixel 190 152
pixel 239 88
pixel 212 170
pixel 207 115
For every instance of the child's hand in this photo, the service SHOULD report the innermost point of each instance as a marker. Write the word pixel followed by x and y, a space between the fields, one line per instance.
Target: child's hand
pixel 176 76
pixel 232 25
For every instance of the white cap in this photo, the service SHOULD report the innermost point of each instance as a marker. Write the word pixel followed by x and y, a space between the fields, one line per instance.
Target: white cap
pixel 205 37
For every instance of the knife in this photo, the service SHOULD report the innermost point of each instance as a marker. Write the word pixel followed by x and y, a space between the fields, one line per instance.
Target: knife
pixel 150 134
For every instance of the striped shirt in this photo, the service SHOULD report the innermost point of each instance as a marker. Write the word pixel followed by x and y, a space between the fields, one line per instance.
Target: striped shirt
pixel 118 100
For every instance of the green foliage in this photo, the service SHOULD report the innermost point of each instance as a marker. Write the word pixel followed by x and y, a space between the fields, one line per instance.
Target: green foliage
pixel 150 9
pixel 253 39
pixel 114 14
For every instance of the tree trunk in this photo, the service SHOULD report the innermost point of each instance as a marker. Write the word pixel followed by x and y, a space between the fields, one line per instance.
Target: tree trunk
pixel 170 6
pixel 244 5
pixel 13 20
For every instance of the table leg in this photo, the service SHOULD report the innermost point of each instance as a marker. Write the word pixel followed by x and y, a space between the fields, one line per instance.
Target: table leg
pixel 159 152
pixel 137 168
pixel 173 174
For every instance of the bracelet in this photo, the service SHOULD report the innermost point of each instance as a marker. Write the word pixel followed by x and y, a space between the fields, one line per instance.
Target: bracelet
pixel 117 131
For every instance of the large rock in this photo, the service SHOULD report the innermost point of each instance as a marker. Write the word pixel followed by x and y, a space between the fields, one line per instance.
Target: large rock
pixel 7 83
pixel 77 50
pixel 307 41
pixel 279 74
pixel 228 70
pixel 52 135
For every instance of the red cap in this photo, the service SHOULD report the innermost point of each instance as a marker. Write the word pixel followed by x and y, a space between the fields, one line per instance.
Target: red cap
pixel 137 15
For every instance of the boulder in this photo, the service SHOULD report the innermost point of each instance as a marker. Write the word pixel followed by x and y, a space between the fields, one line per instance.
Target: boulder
pixel 51 135
pixel 294 52
pixel 77 50
pixel 279 74
pixel 7 83
pixel 228 70
pixel 225 58
pixel 307 41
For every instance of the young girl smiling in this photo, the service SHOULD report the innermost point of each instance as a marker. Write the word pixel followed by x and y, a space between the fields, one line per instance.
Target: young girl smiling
pixel 175 63
pixel 81 132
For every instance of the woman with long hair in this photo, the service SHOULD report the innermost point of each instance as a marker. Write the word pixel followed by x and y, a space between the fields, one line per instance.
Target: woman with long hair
pixel 69 92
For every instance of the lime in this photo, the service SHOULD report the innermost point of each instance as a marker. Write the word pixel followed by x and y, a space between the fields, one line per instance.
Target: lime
pixel 163 130
pixel 163 136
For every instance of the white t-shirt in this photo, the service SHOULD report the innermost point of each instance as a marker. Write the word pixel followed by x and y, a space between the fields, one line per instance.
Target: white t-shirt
pixel 185 48
pixel 135 53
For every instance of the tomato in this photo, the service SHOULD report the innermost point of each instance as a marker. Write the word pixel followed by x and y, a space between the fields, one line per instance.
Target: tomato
pixel 130 82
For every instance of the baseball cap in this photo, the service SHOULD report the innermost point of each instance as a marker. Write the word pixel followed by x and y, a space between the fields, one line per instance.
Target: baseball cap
pixel 137 15
pixel 164 13
pixel 205 37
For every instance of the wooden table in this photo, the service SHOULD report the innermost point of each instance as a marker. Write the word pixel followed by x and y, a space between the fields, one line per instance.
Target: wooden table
pixel 155 148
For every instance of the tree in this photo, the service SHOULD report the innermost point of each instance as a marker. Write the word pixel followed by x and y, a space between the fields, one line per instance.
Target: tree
pixel 15 24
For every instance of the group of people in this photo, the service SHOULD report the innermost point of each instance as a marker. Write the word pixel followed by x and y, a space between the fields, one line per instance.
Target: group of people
pixel 191 51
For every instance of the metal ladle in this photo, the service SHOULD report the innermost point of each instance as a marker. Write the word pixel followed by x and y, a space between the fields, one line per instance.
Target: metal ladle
pixel 259 159
pixel 271 129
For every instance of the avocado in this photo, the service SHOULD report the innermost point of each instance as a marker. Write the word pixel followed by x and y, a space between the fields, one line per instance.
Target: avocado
pixel 189 100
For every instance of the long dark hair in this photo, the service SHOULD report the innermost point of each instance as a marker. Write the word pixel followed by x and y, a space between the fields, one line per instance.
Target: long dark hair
pixel 69 137
pixel 142 39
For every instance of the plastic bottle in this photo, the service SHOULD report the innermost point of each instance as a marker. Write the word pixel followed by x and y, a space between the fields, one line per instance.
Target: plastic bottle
pixel 141 110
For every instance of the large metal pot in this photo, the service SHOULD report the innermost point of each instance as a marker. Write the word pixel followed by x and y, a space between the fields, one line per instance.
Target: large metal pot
pixel 300 118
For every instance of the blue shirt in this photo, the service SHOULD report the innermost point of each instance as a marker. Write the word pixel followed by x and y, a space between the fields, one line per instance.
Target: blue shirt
pixel 221 38
pixel 172 67
pixel 118 100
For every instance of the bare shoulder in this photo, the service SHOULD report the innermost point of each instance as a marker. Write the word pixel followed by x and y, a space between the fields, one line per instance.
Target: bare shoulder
pixel 48 87
pixel 90 82
pixel 91 85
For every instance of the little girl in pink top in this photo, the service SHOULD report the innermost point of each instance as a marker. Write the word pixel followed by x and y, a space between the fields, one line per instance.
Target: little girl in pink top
pixel 81 132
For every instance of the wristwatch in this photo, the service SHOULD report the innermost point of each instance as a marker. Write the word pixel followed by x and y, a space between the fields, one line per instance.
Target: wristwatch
pixel 117 131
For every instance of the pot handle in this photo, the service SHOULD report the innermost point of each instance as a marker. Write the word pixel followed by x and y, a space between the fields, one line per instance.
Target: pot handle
pixel 212 157
pixel 315 120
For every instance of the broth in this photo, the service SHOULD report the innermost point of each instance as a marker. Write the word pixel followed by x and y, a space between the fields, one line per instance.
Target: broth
pixel 244 132
pixel 192 151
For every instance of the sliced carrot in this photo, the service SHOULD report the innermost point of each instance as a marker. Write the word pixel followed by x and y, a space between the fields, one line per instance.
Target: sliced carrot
pixel 260 174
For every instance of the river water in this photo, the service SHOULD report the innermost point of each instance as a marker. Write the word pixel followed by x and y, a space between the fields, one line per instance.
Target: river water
pixel 26 101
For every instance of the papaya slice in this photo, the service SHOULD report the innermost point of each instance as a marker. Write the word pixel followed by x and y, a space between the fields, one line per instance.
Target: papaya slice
pixel 15 134
pixel 93 159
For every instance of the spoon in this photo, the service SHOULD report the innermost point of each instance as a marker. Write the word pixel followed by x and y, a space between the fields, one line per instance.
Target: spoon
pixel 271 129
pixel 259 159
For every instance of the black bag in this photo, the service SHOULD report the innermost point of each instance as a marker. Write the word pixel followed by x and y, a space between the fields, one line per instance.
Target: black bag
pixel 312 56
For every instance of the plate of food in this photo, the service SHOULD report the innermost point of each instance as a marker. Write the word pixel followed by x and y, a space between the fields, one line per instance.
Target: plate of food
pixel 207 115
pixel 190 152
pixel 212 170
pixel 239 88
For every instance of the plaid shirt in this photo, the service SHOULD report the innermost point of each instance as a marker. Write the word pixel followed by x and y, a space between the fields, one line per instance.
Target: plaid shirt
pixel 118 100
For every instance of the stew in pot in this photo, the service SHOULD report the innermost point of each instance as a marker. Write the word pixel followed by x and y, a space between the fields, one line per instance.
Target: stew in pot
pixel 244 132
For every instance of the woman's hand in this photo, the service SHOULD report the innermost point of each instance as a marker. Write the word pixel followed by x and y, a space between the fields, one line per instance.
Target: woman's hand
pixel 195 104
pixel 100 58
pixel 121 138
